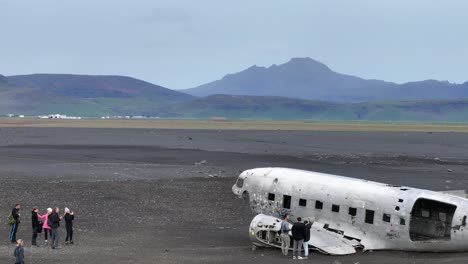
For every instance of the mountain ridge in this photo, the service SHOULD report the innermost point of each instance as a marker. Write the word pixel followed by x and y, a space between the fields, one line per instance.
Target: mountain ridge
pixel 310 79
pixel 83 95
pixel 104 95
pixel 90 86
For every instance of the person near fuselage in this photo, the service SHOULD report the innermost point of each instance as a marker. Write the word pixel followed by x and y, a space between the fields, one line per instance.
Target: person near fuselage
pixel 308 225
pixel 298 234
pixel 285 239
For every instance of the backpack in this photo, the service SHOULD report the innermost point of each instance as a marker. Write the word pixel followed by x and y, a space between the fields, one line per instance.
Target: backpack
pixel 11 220
pixel 49 223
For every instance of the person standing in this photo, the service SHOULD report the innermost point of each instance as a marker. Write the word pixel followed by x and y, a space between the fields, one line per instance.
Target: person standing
pixel 36 225
pixel 16 216
pixel 308 225
pixel 18 253
pixel 54 220
pixel 285 239
pixel 69 217
pixel 45 226
pixel 298 234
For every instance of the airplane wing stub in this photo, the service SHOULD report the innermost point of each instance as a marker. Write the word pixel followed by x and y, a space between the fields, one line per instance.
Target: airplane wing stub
pixel 264 232
pixel 331 243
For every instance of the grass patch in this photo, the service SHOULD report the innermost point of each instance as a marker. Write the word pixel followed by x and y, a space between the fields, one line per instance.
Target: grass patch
pixel 238 125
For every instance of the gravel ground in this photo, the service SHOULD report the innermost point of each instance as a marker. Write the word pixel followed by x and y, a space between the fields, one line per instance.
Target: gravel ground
pixel 164 196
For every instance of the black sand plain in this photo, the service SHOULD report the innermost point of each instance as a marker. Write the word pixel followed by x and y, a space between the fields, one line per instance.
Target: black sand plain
pixel 140 197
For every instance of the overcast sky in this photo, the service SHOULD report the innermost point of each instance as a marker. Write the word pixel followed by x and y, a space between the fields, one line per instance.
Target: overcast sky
pixel 185 43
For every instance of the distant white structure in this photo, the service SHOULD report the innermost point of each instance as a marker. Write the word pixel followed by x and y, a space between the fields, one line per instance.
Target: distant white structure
pixel 13 115
pixel 59 116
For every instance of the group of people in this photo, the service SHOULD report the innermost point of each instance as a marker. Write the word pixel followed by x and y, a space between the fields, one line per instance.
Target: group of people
pixel 48 223
pixel 300 234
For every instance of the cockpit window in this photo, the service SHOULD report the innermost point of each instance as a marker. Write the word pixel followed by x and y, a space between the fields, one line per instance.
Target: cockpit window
pixel 240 183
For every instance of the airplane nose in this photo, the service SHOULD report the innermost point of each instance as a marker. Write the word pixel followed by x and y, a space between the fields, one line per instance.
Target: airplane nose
pixel 236 190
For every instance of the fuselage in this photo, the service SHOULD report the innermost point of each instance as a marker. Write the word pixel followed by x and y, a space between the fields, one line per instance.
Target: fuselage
pixel 380 216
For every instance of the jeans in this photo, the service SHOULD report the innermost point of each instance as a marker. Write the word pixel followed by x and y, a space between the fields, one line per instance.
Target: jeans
pixel 285 243
pixel 14 229
pixel 306 248
pixel 297 247
pixel 55 238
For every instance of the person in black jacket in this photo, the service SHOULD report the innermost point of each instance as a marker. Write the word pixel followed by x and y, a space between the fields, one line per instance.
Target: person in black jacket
pixel 35 225
pixel 298 234
pixel 54 220
pixel 69 217
pixel 14 229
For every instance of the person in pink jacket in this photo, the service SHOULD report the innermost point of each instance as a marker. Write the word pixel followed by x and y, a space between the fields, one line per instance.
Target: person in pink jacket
pixel 47 229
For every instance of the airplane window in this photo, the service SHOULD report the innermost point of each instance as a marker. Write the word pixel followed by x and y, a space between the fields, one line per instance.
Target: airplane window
pixel 318 205
pixel 386 218
pixel 425 213
pixel 442 216
pixel 352 211
pixel 402 221
pixel 240 183
pixel 271 196
pixel 302 202
pixel 369 216
pixel 335 208
pixel 287 201
pixel 400 200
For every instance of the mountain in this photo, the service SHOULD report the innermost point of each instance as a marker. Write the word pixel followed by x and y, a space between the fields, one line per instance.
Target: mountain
pixel 82 95
pixel 95 96
pixel 282 108
pixel 93 86
pixel 306 78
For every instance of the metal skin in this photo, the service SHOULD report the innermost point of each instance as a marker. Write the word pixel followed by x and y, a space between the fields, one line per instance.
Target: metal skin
pixel 396 202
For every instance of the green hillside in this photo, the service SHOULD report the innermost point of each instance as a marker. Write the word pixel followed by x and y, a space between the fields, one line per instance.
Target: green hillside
pixel 280 108
pixel 96 96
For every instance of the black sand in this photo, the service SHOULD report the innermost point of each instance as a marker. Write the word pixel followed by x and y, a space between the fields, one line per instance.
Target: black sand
pixel 139 197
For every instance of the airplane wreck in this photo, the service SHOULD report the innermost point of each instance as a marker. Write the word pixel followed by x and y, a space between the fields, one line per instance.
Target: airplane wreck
pixel 350 213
